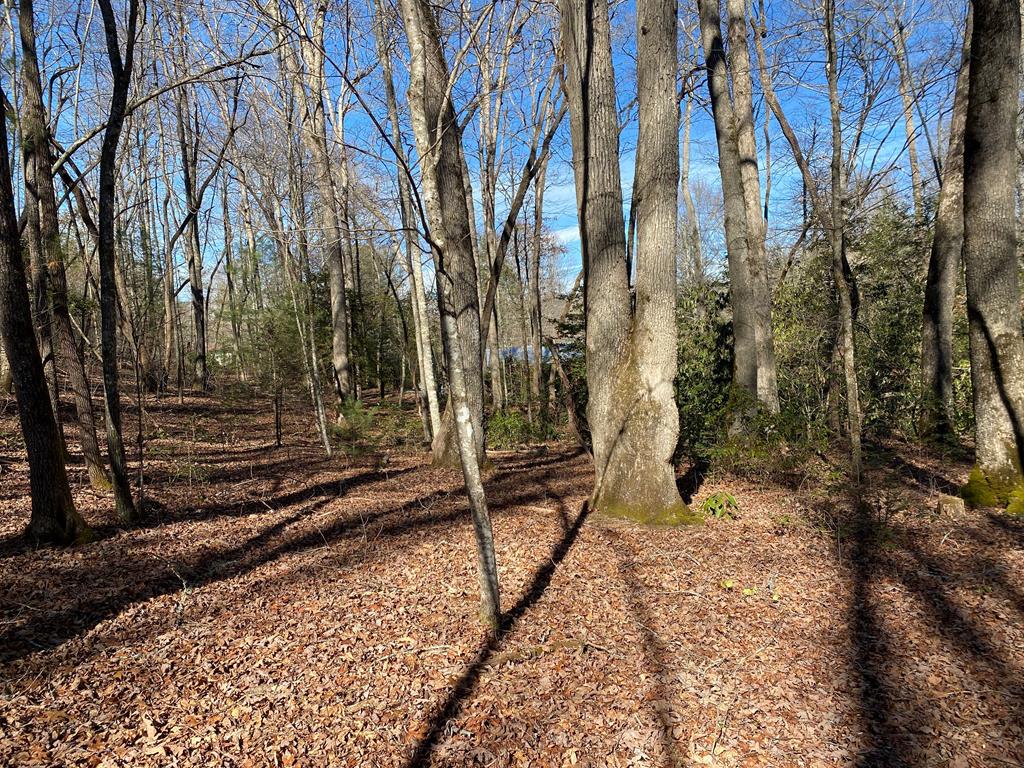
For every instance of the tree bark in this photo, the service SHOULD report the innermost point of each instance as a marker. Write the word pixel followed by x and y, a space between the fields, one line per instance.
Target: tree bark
pixel 54 519
pixel 630 358
pixel 943 271
pixel 837 236
pixel 907 99
pixel 757 260
pixel 437 138
pixel 990 253
pixel 737 241
pixel 36 140
pixel 314 132
pixel 121 69
pixel 410 235
pixel 444 192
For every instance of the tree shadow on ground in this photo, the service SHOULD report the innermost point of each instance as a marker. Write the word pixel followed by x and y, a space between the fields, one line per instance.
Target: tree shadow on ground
pixel 657 655
pixel 897 718
pixel 109 584
pixel 465 685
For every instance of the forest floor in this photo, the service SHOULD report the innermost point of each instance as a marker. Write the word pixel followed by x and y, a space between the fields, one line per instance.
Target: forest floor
pixel 279 608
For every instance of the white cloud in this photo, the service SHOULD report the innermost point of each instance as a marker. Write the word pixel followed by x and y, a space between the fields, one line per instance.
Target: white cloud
pixel 568 235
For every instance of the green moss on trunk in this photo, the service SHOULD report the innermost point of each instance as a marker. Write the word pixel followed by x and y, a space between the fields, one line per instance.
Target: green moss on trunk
pixel 651 514
pixel 995 490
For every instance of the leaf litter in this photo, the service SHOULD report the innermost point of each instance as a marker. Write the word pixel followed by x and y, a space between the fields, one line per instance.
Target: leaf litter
pixel 282 609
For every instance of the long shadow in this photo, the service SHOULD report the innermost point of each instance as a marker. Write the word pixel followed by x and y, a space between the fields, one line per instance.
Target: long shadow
pixel 657 654
pixel 925 479
pixel 158 515
pixel 887 705
pixel 887 747
pixel 464 687
pixel 51 628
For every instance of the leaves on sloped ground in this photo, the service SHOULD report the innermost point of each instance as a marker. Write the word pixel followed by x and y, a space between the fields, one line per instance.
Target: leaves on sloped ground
pixel 280 609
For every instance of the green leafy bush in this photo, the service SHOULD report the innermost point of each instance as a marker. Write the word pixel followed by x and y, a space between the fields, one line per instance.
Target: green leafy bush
pixel 721 505
pixel 509 429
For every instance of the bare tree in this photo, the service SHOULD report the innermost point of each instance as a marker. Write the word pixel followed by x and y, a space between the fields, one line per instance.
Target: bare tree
pixel 438 142
pixel 944 270
pixel 44 239
pixel 121 71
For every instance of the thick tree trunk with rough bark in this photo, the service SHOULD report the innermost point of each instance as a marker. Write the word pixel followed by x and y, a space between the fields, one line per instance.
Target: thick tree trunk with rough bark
pixel 54 519
pixel 757 260
pixel 943 271
pixel 990 253
pixel 46 239
pixel 630 357
pixel 736 238
pixel 437 139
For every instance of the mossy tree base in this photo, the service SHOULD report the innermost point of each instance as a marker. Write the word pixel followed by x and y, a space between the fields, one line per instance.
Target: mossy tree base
pixel 1002 490
pixel 670 515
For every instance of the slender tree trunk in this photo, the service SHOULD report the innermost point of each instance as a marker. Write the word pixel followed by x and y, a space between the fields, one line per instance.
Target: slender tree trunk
pixel 630 358
pixel 943 272
pixel 189 148
pixel 121 70
pixel 907 98
pixel 437 138
pixel 533 279
pixel 310 96
pixel 229 274
pixel 691 226
pixel 421 320
pixel 837 235
pixel 990 253
pixel 54 519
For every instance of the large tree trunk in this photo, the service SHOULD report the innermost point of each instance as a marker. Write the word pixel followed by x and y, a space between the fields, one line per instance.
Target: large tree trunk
pixel 837 236
pixel 943 271
pixel 36 138
pixel 121 72
pixel 54 519
pixel 757 270
pixel 437 138
pixel 630 359
pixel 736 239
pixel 990 253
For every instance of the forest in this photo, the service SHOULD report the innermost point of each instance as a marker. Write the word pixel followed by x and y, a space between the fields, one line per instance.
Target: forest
pixel 606 383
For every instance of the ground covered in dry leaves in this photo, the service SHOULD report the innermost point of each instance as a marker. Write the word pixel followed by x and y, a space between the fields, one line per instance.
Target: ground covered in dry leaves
pixel 278 608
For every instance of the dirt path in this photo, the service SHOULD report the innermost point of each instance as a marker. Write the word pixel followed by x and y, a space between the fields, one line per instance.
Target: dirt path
pixel 280 609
